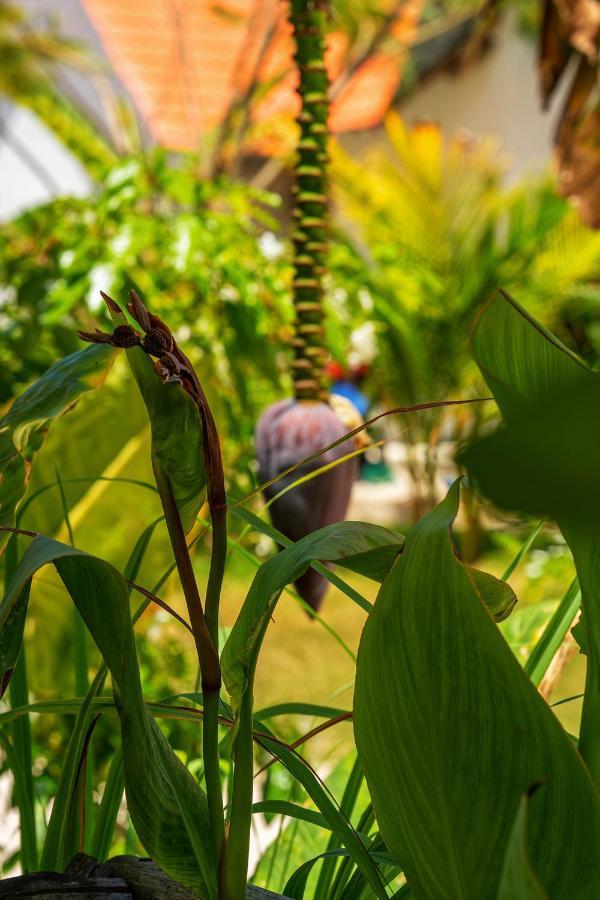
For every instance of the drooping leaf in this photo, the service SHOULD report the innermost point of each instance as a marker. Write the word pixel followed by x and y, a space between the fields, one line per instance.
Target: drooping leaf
pixel 240 655
pixel 518 880
pixel 451 733
pixel 543 459
pixel 57 854
pixel 497 595
pixel 166 804
pixel 334 543
pixel 22 428
pixel 264 527
pixel 176 432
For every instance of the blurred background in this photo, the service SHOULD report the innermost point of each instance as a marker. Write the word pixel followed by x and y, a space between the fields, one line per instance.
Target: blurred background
pixel 150 145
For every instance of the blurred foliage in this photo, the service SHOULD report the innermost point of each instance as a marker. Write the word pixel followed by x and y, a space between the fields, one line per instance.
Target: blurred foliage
pixel 429 233
pixel 196 249
pixel 31 61
pixel 426 232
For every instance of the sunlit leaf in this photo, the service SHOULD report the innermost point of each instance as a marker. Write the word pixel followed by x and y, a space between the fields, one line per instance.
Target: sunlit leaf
pixel 22 428
pixel 166 805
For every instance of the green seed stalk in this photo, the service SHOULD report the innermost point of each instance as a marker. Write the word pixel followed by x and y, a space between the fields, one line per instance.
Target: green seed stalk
pixel 310 200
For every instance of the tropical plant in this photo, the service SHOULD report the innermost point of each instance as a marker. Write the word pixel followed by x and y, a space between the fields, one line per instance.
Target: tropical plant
pixel 293 430
pixel 457 693
pixel 178 824
pixel 426 235
pixel 206 250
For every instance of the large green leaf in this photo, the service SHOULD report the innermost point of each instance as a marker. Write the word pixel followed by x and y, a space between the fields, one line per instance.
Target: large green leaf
pixel 22 428
pixel 544 459
pixel 166 805
pixel 176 432
pixel 364 546
pixel 451 733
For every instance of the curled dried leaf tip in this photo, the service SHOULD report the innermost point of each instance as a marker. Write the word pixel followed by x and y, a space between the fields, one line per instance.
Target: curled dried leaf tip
pixel 123 337
pixel 156 340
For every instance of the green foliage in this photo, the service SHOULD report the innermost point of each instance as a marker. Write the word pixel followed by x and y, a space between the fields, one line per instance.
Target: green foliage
pixel 195 246
pixel 432 234
pixel 22 428
pixel 542 457
pixel 165 803
pixel 450 730
pixel 334 543
pixel 436 728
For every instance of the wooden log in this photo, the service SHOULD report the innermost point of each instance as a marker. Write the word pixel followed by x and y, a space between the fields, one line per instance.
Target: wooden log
pixel 148 882
pixel 121 878
pixel 68 886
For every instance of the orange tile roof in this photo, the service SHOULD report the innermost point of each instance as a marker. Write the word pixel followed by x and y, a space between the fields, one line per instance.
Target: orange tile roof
pixel 185 61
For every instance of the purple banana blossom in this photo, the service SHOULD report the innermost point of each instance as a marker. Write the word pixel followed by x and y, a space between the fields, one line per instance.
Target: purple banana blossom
pixel 287 433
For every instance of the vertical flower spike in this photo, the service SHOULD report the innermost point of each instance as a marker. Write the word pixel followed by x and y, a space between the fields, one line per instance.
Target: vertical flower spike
pixel 293 429
pixel 310 199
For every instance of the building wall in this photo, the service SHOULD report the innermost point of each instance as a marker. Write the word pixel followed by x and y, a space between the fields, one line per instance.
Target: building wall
pixel 497 95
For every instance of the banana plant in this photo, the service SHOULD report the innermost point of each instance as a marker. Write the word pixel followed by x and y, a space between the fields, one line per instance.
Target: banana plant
pixel 294 429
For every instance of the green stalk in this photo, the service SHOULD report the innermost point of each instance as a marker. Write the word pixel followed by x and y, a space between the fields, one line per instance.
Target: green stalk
pixel 586 555
pixel 210 694
pixel 206 649
pixel 22 742
pixel 311 200
pixel 24 789
pixel 235 864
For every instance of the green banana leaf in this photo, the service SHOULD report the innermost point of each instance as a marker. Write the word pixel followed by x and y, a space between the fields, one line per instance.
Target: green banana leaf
pixel 544 459
pixel 176 432
pixel 166 805
pixel 23 427
pixel 451 733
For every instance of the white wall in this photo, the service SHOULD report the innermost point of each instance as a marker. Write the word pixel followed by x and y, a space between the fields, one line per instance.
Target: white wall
pixel 34 165
pixel 499 96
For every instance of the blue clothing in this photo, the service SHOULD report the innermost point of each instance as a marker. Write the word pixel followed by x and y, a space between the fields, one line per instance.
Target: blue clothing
pixel 352 392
